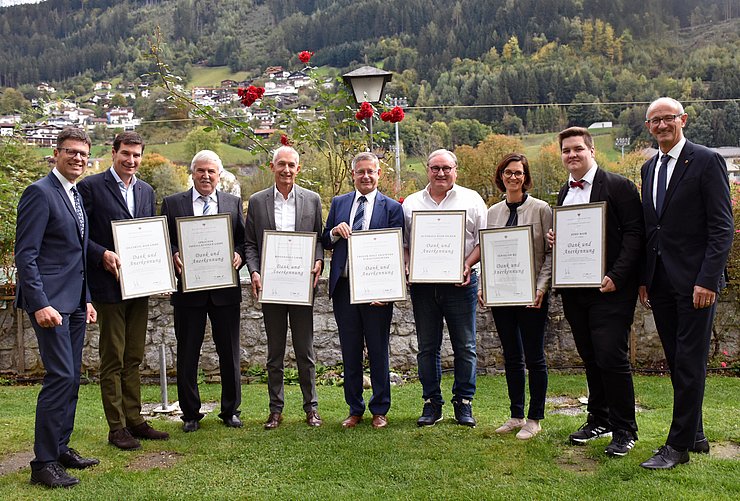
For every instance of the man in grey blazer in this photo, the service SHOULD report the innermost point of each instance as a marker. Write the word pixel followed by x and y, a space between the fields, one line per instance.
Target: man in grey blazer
pixel 285 206
pixel 221 306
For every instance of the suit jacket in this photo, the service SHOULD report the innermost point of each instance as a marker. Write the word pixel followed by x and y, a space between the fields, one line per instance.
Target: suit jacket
pixel 387 213
pixel 181 205
pixel 103 204
pixel 49 251
pixel 261 217
pixel 625 231
pixel 693 235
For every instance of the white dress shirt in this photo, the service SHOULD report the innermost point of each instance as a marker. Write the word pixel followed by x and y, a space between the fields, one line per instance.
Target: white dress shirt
pixel 576 195
pixel 199 203
pixel 284 210
pixel 673 153
pixel 457 198
pixel 127 192
pixel 66 185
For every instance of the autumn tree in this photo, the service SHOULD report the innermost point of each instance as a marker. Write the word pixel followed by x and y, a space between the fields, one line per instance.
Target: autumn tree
pixel 477 165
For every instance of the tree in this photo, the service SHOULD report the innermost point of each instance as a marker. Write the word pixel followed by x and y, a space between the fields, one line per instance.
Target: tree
pixel 165 177
pixel 477 166
pixel 202 139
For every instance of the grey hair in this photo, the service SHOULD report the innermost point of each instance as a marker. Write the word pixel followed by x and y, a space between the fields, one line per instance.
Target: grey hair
pixel 284 149
pixel 670 100
pixel 207 156
pixel 442 151
pixel 365 156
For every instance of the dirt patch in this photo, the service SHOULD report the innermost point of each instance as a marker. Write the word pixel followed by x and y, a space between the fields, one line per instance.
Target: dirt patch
pixel 151 460
pixel 15 462
pixel 173 413
pixel 725 450
pixel 569 406
pixel 575 459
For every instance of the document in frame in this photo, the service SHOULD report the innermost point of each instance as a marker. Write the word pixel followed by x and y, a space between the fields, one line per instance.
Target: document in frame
pixel 376 268
pixel 507 266
pixel 207 252
pixel 437 247
pixel 579 256
pixel 287 263
pixel 143 246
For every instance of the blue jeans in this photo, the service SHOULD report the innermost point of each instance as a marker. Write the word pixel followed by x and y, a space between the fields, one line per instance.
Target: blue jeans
pixel 456 305
pixel 522 334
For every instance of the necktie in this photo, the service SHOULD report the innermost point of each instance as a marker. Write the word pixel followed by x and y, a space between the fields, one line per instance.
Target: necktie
pixel 78 210
pixel 577 184
pixel 662 181
pixel 360 214
pixel 206 204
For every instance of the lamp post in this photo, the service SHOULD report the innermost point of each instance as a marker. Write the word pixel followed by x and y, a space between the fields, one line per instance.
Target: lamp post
pixel 367 84
pixel 402 102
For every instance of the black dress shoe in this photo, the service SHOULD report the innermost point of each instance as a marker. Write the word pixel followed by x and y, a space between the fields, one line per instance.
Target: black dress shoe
pixel 144 430
pixel 700 446
pixel 667 457
pixel 233 422
pixel 53 475
pixel 190 425
pixel 72 459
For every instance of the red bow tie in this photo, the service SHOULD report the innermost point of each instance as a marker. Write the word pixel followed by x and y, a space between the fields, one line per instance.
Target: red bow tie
pixel 577 184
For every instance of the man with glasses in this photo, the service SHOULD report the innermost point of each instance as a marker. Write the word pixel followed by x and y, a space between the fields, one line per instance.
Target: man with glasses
pixel 117 194
pixel 50 248
pixel 689 226
pixel 434 303
pixel 601 318
pixel 361 325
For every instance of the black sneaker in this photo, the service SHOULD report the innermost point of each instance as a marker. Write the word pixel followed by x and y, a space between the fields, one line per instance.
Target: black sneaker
pixel 622 442
pixel 589 431
pixel 464 413
pixel 431 414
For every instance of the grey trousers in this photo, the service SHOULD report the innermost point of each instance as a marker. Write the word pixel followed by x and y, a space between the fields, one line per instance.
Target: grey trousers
pixel 276 317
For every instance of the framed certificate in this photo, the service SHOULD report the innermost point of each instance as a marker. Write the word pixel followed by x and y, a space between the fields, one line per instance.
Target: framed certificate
pixel 507 266
pixel 376 269
pixel 287 263
pixel 579 256
pixel 437 247
pixel 207 252
pixel 143 246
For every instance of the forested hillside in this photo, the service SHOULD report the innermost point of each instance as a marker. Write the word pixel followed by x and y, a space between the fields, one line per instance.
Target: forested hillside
pixel 444 52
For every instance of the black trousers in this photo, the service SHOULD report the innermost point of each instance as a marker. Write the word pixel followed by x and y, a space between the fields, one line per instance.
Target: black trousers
pixel 685 333
pixel 601 327
pixel 190 326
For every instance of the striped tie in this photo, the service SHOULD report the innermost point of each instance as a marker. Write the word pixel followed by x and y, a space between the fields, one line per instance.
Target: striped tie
pixel 78 210
pixel 206 204
pixel 360 214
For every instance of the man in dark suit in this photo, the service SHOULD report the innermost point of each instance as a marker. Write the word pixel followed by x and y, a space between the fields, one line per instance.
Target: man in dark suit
pixel 221 306
pixel 285 206
pixel 50 247
pixel 689 226
pixel 113 195
pixel 361 325
pixel 600 319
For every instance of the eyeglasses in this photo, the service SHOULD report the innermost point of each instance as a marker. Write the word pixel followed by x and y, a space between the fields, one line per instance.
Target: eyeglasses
pixel 73 153
pixel 444 168
pixel 667 119
pixel 512 173
pixel 363 173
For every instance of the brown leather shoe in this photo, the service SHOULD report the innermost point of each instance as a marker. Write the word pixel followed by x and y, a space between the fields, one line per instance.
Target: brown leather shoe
pixel 273 421
pixel 313 418
pixel 143 430
pixel 379 421
pixel 351 421
pixel 123 440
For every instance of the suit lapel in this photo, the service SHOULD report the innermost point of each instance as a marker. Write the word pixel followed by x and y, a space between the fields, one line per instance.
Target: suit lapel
pixel 378 211
pixel 68 203
pixel 298 207
pixel 649 183
pixel 186 208
pixel 270 208
pixel 597 188
pixel 112 185
pixel 563 192
pixel 682 165
pixel 345 210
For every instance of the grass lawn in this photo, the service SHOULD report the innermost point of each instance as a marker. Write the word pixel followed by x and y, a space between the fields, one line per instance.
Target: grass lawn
pixel 211 76
pixel 230 155
pixel 446 461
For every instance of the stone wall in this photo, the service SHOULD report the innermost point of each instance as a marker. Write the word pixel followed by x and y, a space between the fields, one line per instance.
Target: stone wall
pixel 561 352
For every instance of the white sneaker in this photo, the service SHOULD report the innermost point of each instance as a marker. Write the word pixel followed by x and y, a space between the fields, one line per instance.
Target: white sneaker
pixel 511 425
pixel 529 430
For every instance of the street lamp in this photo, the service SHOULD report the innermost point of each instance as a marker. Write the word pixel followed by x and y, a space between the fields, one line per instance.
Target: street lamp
pixel 367 84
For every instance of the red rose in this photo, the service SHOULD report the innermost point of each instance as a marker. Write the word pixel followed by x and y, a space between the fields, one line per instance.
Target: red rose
pixel 285 140
pixel 249 95
pixel 386 116
pixel 305 56
pixel 397 114
pixel 366 111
